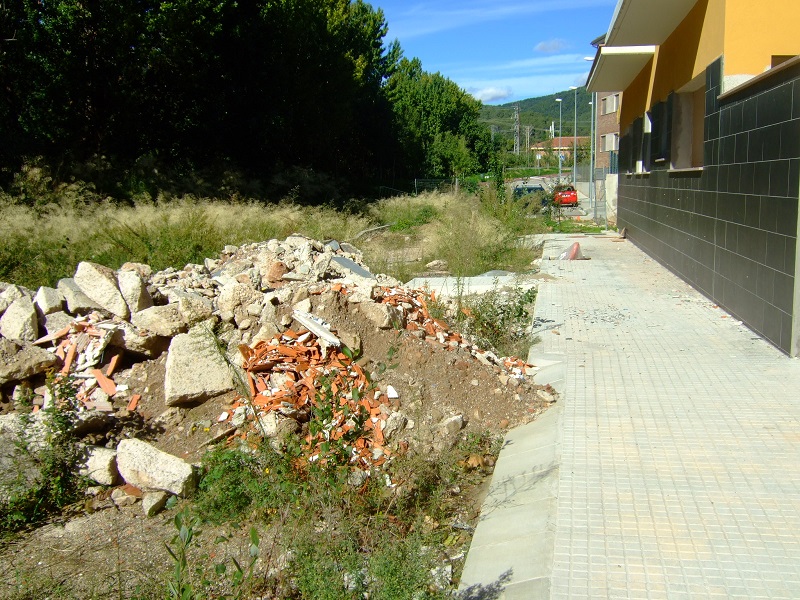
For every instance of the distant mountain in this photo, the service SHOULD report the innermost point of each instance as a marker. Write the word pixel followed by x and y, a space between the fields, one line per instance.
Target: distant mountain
pixel 539 113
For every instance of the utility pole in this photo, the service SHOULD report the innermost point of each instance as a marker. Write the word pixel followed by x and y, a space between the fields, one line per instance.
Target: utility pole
pixel 516 129
pixel 528 144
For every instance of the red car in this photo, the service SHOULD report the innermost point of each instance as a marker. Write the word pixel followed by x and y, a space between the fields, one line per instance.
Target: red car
pixel 565 195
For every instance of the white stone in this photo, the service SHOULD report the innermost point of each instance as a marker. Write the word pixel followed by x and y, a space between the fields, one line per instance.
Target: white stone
pixel 78 303
pixel 384 316
pixel 235 295
pixel 452 425
pixel 196 368
pixel 11 293
pixel 100 284
pixel 19 321
pixel 154 502
pixel 147 467
pixel 134 291
pixel 137 341
pixel 101 465
pixel 57 321
pixel 161 320
pixel 48 300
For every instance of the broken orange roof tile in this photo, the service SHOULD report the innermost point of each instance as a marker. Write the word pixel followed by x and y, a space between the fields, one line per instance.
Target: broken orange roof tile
pixel 112 364
pixel 73 349
pixel 53 336
pixel 106 384
pixel 133 402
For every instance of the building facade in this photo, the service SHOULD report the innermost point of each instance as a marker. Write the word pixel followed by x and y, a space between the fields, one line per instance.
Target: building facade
pixel 709 156
pixel 607 139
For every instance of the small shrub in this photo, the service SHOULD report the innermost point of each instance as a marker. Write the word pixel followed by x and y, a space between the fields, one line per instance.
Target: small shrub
pixel 59 483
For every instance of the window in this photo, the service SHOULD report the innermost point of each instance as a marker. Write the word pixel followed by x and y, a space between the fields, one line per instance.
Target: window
pixel 609 142
pixel 660 117
pixel 687 129
pixel 609 104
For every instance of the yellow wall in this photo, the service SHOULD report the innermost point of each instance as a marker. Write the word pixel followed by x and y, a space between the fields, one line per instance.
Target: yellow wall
pixel 636 97
pixel 754 32
pixel 748 35
pixel 695 43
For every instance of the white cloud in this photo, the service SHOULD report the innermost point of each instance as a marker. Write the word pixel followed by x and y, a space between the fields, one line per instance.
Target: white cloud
pixel 581 79
pixel 490 94
pixel 551 46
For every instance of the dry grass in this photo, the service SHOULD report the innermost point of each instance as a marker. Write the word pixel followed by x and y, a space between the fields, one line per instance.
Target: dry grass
pixel 42 243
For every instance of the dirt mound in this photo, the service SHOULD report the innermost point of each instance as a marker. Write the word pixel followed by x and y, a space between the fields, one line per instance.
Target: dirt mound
pixel 293 325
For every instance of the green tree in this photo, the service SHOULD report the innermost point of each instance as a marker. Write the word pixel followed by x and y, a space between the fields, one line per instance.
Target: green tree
pixel 436 123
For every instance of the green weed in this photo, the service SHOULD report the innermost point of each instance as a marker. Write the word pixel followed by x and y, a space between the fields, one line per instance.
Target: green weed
pixel 58 483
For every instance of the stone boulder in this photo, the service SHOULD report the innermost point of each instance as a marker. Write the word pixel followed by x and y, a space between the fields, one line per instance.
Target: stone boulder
pixel 162 320
pixel 48 301
pixel 100 284
pixel 237 295
pixel 134 291
pixel 100 465
pixel 149 468
pixel 78 303
pixel 138 341
pixel 196 368
pixel 10 293
pixel 19 321
pixel 20 360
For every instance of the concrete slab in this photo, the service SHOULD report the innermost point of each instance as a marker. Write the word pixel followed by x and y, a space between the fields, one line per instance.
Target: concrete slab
pixel 456 286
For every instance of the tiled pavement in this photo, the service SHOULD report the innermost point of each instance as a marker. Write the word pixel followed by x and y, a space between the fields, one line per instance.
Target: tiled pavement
pixel 670 467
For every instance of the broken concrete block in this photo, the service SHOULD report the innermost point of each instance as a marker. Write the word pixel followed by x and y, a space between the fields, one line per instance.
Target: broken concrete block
pixel 154 502
pixel 48 301
pixel 162 320
pixel 57 321
pixel 19 360
pixel 134 291
pixel 395 424
pixel 138 341
pixel 384 316
pixel 194 308
pixel 100 465
pixel 10 293
pixel 78 303
pixel 19 321
pixel 196 368
pixel 147 467
pixel 100 284
pixel 235 295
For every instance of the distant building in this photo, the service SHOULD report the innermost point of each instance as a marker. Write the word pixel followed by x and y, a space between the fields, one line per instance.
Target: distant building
pixel 607 149
pixel 607 123
pixel 563 145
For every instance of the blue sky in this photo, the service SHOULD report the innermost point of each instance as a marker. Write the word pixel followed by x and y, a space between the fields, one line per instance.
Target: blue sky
pixel 501 50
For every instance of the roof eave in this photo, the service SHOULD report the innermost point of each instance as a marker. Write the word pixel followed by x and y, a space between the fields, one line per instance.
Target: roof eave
pixel 615 67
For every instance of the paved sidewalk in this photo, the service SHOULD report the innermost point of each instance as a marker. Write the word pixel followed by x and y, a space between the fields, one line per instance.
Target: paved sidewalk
pixel 671 465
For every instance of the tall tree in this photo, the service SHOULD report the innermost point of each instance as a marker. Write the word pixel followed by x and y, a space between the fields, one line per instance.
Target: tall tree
pixel 436 123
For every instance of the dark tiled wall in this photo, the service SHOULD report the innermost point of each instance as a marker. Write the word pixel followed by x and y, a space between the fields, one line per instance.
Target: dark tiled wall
pixel 731 229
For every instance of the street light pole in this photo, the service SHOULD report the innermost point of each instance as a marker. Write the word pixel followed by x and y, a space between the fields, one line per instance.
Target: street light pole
pixel 575 139
pixel 559 139
pixel 592 198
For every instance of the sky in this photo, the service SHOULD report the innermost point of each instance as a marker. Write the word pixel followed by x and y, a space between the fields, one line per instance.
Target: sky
pixel 501 50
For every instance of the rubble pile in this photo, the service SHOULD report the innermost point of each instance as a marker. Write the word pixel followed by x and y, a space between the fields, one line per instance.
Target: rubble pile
pixel 243 324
